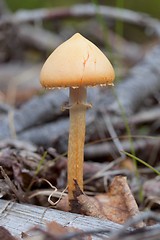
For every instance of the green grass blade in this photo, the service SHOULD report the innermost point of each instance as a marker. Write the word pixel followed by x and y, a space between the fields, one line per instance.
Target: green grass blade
pixel 141 161
pixel 37 171
pixel 40 164
pixel 102 24
pixel 131 143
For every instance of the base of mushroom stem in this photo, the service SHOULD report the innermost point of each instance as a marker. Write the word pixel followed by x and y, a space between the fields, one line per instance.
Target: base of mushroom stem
pixel 74 205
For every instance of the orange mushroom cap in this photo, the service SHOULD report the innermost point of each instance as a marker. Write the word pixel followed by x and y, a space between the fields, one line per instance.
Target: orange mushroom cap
pixel 77 62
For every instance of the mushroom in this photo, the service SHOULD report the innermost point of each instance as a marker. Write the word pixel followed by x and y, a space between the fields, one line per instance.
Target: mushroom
pixel 77 64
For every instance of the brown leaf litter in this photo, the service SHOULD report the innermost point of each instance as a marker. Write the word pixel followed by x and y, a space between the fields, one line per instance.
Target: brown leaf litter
pixel 117 205
pixel 56 231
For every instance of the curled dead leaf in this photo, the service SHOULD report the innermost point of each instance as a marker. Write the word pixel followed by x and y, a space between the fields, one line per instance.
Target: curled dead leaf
pixel 118 204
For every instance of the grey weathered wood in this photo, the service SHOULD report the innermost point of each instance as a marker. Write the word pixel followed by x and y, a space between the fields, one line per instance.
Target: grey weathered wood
pixel 18 218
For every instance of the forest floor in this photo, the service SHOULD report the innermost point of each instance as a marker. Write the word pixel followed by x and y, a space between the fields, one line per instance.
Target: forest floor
pixel 123 123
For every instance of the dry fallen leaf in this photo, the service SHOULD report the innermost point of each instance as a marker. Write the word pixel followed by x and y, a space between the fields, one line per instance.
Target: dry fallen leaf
pixel 81 204
pixel 56 231
pixel 89 208
pixel 5 234
pixel 118 204
pixel 63 204
pixel 127 163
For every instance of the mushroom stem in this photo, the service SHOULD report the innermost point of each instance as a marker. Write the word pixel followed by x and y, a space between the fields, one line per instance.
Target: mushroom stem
pixel 78 103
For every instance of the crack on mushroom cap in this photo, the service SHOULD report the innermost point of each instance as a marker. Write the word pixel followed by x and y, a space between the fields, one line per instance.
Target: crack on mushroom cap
pixel 85 61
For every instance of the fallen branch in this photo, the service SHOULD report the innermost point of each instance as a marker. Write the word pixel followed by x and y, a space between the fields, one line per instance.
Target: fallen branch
pixel 38 38
pixel 38 111
pixel 105 149
pixel 82 11
pixel 37 216
pixel 142 82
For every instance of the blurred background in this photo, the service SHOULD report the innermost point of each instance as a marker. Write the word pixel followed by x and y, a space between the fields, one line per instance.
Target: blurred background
pixel 127 31
pixel 147 6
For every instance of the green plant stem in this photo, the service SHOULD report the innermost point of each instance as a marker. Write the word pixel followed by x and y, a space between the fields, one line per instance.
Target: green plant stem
pixel 119 30
pixel 37 171
pixel 56 158
pixel 131 143
pixel 102 24
pixel 141 161
pixel 40 163
pixel 119 27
